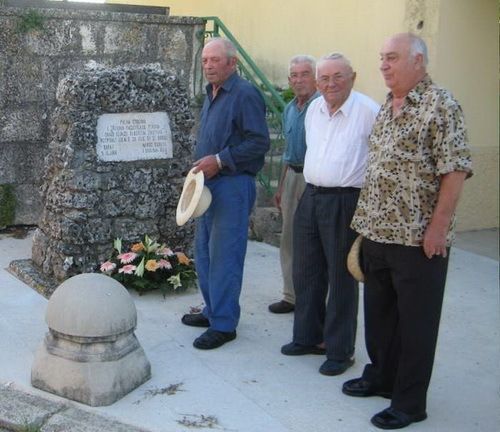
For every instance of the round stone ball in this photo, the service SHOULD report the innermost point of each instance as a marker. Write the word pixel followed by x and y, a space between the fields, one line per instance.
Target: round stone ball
pixel 91 305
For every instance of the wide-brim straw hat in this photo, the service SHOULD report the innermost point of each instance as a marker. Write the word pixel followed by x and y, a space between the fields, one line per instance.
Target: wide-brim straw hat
pixel 195 198
pixel 354 260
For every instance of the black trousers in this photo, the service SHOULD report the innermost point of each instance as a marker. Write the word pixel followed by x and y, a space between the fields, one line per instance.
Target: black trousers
pixel 403 296
pixel 321 241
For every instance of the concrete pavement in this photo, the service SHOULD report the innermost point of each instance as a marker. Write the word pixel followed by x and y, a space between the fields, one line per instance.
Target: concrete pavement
pixel 247 385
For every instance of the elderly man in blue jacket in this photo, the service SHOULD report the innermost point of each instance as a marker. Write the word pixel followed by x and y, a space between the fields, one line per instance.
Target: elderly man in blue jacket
pixel 232 141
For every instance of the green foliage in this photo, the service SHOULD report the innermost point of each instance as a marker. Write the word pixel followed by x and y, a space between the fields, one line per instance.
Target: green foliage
pixel 30 21
pixel 287 94
pixel 31 428
pixel 7 205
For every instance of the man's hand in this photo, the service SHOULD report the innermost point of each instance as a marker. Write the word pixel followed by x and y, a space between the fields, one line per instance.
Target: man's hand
pixel 279 191
pixel 208 165
pixel 277 199
pixel 435 234
pixel 435 240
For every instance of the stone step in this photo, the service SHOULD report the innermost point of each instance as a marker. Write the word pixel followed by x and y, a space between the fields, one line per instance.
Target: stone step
pixel 23 411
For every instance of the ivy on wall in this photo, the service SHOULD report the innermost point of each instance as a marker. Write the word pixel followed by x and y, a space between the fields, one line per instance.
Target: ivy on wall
pixel 30 21
pixel 7 205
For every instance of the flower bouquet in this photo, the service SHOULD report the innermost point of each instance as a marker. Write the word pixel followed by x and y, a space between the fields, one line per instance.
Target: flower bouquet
pixel 149 266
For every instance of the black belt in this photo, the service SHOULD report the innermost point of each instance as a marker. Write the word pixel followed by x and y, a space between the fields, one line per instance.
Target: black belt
pixel 296 168
pixel 332 190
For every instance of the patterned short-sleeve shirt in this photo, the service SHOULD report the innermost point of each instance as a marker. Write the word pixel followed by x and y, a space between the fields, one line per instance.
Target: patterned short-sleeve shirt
pixel 408 154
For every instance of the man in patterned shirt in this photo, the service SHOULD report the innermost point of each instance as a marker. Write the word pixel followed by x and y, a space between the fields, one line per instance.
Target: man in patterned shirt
pixel 418 161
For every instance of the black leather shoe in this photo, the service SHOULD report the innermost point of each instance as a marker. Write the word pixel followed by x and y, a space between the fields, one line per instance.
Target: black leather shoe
pixel 195 320
pixel 359 387
pixel 213 339
pixel 334 367
pixel 295 349
pixel 394 419
pixel 281 307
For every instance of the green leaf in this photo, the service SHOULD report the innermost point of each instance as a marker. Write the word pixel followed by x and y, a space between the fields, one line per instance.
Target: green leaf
pixel 117 244
pixel 139 271
pixel 150 245
pixel 175 281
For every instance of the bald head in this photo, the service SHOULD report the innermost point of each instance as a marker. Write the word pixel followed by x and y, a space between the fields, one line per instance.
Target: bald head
pixel 415 43
pixel 403 62
pixel 335 79
pixel 218 60
pixel 339 58
pixel 226 46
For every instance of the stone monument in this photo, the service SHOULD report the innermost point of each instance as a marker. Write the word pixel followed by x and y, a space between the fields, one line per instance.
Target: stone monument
pixel 90 353
pixel 120 148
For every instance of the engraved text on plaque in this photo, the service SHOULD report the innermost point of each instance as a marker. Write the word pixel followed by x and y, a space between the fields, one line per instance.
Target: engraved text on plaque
pixel 133 136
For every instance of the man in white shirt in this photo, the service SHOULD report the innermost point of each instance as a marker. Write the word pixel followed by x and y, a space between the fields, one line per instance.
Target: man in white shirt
pixel 337 128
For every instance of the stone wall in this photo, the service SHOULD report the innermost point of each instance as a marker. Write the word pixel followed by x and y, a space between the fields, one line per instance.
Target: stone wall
pixel 39 46
pixel 91 194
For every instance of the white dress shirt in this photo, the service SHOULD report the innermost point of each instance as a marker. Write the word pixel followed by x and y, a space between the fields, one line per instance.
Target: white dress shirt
pixel 337 145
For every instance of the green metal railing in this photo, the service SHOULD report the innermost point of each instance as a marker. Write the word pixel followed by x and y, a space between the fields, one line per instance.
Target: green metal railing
pixel 269 175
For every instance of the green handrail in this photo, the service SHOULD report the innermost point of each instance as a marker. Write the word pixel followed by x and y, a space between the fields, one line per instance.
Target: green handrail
pixel 270 174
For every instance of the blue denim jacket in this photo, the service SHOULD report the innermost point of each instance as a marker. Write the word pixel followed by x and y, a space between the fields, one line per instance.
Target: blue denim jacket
pixel 234 126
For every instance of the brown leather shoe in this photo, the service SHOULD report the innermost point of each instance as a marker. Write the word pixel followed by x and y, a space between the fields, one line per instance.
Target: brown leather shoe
pixel 281 307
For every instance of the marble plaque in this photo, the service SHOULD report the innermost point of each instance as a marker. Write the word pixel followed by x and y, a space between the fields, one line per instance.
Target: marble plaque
pixel 133 136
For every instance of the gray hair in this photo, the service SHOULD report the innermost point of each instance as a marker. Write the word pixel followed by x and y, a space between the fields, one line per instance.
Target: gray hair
pixel 229 48
pixel 418 46
pixel 299 59
pixel 334 56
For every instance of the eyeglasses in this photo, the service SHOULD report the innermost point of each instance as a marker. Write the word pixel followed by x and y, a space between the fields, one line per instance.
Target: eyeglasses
pixel 337 78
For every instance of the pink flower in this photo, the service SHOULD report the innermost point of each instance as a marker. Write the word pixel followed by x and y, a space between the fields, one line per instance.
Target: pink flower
pixel 164 264
pixel 165 251
pixel 127 269
pixel 128 257
pixel 107 266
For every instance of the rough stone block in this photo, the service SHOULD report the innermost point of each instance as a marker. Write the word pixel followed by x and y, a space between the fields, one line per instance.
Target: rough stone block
pixel 56 38
pixel 119 37
pixel 23 124
pixel 172 45
pixel 265 225
pixel 28 201
pixel 22 70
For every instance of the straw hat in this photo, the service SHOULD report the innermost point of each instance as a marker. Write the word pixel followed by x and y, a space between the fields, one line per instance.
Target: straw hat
pixel 195 198
pixel 353 260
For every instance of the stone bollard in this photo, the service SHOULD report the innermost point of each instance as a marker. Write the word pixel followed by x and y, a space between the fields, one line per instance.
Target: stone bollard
pixel 90 353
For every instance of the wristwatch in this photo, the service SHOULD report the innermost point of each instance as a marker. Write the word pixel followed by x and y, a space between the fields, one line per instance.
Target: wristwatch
pixel 219 162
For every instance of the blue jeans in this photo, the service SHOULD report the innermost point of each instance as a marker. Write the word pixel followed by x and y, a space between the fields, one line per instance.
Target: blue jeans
pixel 220 248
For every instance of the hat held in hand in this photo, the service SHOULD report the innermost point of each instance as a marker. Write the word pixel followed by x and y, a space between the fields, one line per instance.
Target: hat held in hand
pixel 195 198
pixel 354 260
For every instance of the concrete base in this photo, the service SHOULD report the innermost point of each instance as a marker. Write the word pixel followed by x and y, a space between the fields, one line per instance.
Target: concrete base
pixel 92 383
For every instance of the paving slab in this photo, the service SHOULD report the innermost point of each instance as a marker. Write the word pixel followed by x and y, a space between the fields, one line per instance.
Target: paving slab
pixel 22 411
pixel 247 385
pixel 19 409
